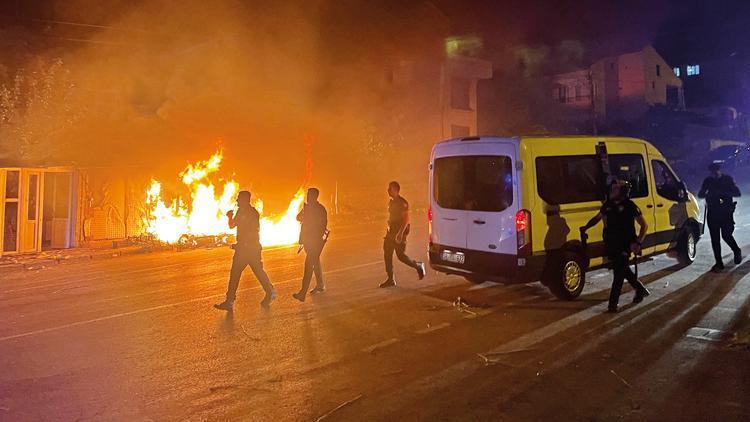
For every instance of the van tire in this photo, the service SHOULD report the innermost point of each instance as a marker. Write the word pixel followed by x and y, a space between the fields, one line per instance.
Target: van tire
pixel 686 246
pixel 567 275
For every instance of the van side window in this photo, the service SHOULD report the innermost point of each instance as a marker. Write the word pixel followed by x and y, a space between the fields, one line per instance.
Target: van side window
pixel 667 185
pixel 474 183
pixel 569 179
pixel 630 167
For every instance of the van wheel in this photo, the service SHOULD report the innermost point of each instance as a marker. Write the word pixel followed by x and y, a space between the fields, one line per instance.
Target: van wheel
pixel 568 276
pixel 686 250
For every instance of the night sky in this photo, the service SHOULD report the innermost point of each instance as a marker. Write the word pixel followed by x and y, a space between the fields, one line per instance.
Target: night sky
pixel 682 30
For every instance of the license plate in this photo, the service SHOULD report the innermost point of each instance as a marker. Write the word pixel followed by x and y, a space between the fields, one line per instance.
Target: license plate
pixel 454 257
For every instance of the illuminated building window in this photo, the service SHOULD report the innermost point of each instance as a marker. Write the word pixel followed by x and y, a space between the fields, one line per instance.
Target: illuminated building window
pixel 677 71
pixel 693 70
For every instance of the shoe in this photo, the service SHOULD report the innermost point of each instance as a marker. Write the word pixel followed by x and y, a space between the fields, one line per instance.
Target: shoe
pixel 421 271
pixel 612 309
pixel 318 289
pixel 299 296
pixel 718 267
pixel 224 306
pixel 270 297
pixel 388 283
pixel 640 295
pixel 738 257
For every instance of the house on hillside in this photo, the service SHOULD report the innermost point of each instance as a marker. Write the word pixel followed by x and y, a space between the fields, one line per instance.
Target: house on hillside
pixel 619 87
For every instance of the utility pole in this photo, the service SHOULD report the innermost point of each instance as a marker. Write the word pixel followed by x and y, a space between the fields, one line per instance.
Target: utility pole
pixel 592 92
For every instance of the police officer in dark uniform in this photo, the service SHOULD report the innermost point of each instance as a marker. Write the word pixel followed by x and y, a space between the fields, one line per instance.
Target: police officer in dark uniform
pixel 619 214
pixel 395 237
pixel 718 189
pixel 247 251
pixel 314 219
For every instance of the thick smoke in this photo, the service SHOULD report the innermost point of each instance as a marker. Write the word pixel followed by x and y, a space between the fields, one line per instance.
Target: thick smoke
pixel 151 85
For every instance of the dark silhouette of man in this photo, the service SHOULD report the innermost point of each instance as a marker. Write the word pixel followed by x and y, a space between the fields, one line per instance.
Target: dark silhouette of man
pixel 620 214
pixel 395 237
pixel 247 251
pixel 719 190
pixel 314 219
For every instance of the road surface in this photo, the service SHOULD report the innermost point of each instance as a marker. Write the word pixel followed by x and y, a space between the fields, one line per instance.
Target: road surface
pixel 136 338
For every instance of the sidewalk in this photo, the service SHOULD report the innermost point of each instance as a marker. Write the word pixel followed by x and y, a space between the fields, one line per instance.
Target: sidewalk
pixel 37 261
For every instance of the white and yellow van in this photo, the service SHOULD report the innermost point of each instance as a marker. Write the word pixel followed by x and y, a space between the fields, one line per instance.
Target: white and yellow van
pixel 510 209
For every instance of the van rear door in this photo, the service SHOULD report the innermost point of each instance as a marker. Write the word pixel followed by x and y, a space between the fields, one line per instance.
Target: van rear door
pixel 473 197
pixel 494 201
pixel 447 215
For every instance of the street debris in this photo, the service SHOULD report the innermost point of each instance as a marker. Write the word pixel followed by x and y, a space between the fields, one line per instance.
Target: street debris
pixel 620 378
pixel 462 306
pixel 495 357
pixel 337 408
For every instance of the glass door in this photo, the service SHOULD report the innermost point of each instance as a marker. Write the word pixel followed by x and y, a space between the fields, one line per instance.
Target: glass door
pixel 30 189
pixel 11 210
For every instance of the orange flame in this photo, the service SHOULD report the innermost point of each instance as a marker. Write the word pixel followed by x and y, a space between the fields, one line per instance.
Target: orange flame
pixel 206 215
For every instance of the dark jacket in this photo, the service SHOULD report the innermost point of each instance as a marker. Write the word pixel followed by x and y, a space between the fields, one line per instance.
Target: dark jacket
pixel 719 192
pixel 314 220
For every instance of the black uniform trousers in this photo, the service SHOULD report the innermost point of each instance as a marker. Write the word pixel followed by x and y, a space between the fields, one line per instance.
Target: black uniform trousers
pixel 622 272
pixel 313 249
pixel 389 246
pixel 721 226
pixel 247 256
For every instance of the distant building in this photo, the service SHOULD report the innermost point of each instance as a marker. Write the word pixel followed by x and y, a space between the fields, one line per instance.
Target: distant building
pixel 723 82
pixel 619 87
pixel 459 91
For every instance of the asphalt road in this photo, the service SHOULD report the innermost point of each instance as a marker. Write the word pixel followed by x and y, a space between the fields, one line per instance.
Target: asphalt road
pixel 136 338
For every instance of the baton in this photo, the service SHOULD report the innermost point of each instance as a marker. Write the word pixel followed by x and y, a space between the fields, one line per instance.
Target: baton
pixel 326 234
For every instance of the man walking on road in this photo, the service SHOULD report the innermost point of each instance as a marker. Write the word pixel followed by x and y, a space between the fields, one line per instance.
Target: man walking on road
pixel 620 214
pixel 719 190
pixel 395 237
pixel 314 219
pixel 247 251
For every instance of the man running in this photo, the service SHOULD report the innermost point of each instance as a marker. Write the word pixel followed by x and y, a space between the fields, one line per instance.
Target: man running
pixel 395 237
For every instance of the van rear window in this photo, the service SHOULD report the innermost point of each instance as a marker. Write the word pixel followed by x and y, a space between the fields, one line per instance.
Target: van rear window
pixel 478 183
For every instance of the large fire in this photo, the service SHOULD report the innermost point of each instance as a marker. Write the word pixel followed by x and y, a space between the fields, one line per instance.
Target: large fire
pixel 205 215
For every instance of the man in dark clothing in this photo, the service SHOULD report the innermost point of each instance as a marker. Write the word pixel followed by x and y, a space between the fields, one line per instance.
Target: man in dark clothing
pixel 395 237
pixel 619 214
pixel 314 219
pixel 247 251
pixel 719 189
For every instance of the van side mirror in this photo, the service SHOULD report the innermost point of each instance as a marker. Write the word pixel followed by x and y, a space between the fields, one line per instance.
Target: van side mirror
pixel 682 195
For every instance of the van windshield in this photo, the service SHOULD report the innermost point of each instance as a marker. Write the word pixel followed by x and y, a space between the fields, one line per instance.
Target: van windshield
pixel 473 182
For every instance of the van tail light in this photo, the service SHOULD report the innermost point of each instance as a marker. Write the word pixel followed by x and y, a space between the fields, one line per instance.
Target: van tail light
pixel 429 224
pixel 523 232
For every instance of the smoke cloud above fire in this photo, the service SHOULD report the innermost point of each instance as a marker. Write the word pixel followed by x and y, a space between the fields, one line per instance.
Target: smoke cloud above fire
pixel 153 85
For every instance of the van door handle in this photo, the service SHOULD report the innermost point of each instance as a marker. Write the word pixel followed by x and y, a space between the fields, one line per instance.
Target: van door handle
pixel 450 219
pixel 479 221
pixel 659 205
pixel 650 206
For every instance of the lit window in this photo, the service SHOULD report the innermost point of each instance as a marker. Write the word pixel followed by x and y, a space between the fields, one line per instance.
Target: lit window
pixel 677 71
pixel 693 70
